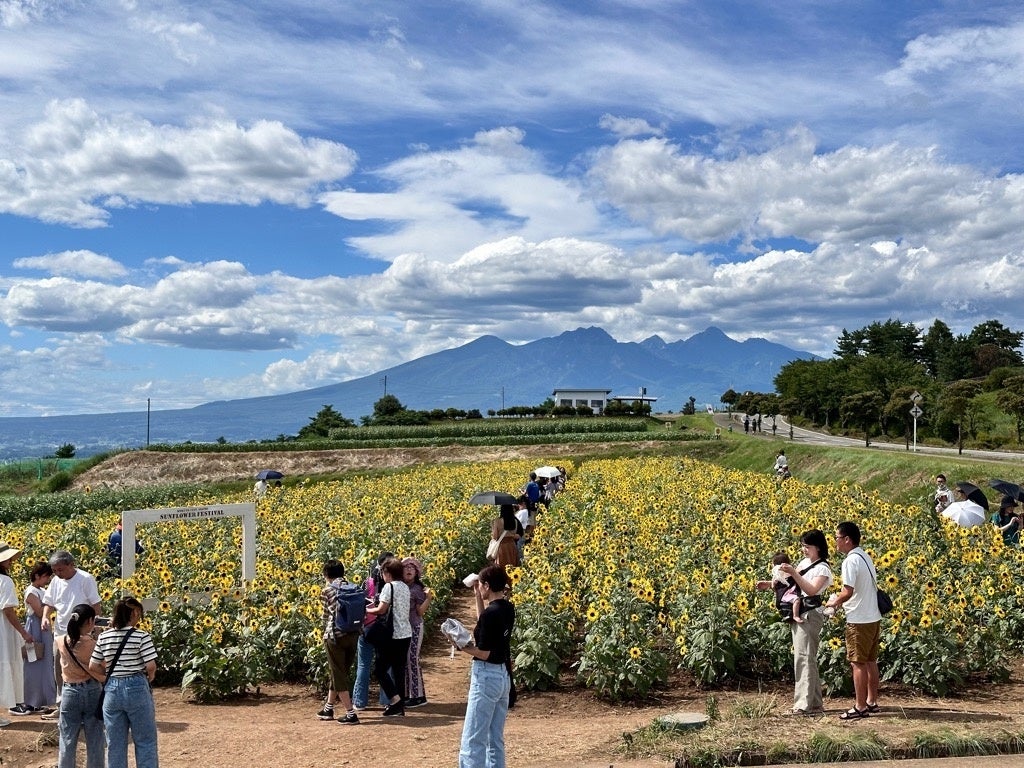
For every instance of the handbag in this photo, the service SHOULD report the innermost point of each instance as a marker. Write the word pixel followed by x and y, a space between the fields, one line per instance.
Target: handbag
pixel 37 647
pixel 379 632
pixel 884 601
pixel 110 669
pixel 492 548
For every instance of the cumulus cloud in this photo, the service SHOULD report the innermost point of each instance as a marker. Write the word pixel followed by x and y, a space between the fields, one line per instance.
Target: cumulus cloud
pixel 990 58
pixel 447 202
pixel 74 263
pixel 791 190
pixel 626 127
pixel 76 165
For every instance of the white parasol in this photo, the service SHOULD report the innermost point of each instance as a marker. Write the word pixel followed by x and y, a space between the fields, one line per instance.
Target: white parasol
pixel 966 514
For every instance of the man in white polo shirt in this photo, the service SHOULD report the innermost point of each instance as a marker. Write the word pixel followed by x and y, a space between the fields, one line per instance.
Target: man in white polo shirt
pixel 859 599
pixel 69 587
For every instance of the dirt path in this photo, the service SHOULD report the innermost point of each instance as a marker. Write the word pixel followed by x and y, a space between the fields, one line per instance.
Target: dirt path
pixel 278 727
pixel 556 729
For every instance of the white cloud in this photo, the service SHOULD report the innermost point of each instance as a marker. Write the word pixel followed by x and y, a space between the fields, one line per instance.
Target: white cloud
pixel 74 263
pixel 448 201
pixel 77 164
pixel 844 196
pixel 627 127
pixel 990 58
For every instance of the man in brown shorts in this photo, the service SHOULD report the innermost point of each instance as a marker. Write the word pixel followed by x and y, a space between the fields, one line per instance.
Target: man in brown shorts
pixel 859 599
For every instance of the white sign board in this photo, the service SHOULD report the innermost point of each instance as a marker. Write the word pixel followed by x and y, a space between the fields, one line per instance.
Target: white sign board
pixel 246 511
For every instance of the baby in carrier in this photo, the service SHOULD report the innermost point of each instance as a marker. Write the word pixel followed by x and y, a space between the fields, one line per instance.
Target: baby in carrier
pixel 787 594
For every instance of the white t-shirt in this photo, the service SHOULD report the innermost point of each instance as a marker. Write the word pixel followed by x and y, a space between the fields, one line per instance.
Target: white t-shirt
pixel 821 569
pixel 859 573
pixel 64 594
pixel 523 516
pixel 396 595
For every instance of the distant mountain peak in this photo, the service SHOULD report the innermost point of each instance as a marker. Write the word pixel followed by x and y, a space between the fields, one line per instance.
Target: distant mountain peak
pixel 486 374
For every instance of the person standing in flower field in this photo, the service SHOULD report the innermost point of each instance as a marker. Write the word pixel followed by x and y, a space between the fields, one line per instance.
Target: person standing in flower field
pixel 69 587
pixel 943 494
pixel 419 602
pixel 341 648
pixel 859 600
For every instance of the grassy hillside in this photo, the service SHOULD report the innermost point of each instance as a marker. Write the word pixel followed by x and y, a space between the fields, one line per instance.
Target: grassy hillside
pixel 902 477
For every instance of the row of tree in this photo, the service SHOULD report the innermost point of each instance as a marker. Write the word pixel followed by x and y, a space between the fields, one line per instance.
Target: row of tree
pixel 869 383
pixel 389 411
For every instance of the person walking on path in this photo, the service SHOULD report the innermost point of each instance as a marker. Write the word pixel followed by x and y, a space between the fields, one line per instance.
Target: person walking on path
pixel 340 647
pixel 859 600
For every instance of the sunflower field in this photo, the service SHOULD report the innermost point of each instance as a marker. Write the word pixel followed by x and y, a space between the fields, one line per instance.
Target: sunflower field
pixel 640 567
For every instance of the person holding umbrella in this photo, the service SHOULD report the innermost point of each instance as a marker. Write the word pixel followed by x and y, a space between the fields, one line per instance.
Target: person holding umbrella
pixel 1008 521
pixel 507 530
pixel 969 508
pixel 260 489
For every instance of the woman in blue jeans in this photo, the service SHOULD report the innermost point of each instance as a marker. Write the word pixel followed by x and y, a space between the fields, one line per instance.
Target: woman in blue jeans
pixel 81 691
pixel 483 733
pixel 128 704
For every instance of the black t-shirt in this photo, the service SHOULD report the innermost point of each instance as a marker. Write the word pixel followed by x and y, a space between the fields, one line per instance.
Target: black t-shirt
pixel 493 630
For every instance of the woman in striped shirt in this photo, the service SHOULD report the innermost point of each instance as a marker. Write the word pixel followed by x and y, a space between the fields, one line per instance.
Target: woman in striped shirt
pixel 128 703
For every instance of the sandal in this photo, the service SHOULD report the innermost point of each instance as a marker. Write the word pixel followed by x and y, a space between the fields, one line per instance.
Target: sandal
pixel 872 707
pixel 854 714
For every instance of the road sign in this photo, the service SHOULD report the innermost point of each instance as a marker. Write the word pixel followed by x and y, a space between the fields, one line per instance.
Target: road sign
pixel 916 412
pixel 916 397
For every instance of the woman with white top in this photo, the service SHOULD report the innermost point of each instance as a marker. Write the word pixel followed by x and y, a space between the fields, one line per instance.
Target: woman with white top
pixel 128 704
pixel 40 685
pixel 13 636
pixel 813 576
pixel 392 656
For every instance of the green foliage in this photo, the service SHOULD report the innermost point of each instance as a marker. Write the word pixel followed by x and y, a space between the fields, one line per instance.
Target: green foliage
pixel 326 420
pixel 541 638
pixel 58 482
pixel 65 451
pixel 826 748
pixel 61 506
pixel 626 624
pixel 893 357
pixel 712 642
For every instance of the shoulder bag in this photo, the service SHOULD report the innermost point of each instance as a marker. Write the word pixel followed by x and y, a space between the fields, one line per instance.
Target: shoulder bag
pixel 378 634
pixel 110 669
pixel 884 601
pixel 492 548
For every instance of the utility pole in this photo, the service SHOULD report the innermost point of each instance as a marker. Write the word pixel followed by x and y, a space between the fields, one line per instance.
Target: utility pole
pixel 502 398
pixel 385 385
pixel 147 422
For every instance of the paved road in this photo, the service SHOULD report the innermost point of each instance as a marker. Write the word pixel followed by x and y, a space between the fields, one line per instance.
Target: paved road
pixel 810 437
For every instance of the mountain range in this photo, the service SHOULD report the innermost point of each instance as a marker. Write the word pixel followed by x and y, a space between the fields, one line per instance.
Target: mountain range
pixel 487 374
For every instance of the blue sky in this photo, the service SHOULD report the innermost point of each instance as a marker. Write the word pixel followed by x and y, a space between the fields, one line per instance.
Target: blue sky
pixel 222 200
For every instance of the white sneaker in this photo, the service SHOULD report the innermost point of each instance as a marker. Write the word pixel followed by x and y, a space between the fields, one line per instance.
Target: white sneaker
pixel 4 722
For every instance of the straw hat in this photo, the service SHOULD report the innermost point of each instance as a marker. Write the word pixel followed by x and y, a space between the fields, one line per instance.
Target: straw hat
pixel 7 552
